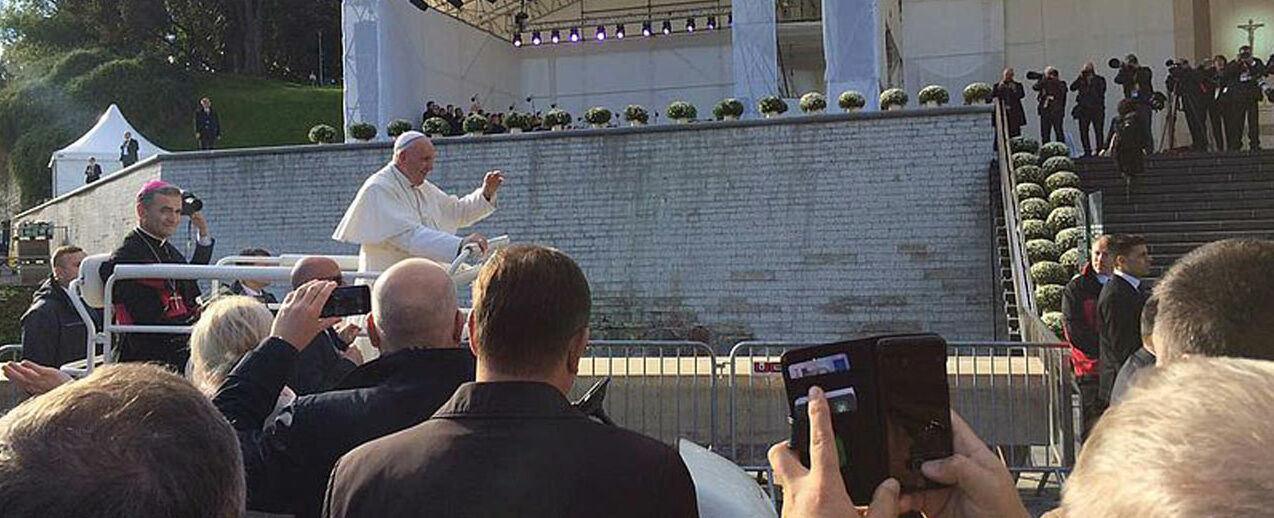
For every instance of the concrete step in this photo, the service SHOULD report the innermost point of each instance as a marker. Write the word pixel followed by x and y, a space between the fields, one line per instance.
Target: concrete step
pixel 1162 214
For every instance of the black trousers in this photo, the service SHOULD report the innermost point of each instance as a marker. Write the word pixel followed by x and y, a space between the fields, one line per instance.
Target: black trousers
pixel 1094 121
pixel 1146 114
pixel 1216 115
pixel 1241 113
pixel 1090 408
pixel 1051 122
pixel 1197 120
pixel 1015 130
pixel 207 142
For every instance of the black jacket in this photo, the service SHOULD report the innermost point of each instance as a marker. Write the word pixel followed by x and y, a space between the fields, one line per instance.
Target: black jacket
pixel 207 124
pixel 52 332
pixel 1242 81
pixel 1090 96
pixel 92 172
pixel 511 449
pixel 320 366
pixel 128 152
pixel 1011 94
pixel 1051 99
pixel 287 460
pixel 154 301
pixel 1082 323
pixel 237 288
pixel 1137 81
pixel 1120 306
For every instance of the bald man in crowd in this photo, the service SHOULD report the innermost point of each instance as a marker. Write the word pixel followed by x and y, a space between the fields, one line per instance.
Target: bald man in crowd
pixel 416 325
pixel 329 357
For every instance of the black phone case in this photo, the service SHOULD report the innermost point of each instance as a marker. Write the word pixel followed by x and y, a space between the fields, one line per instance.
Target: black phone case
pixel 873 430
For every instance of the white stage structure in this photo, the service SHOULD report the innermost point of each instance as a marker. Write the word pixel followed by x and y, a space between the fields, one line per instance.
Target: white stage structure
pixel 398 57
pixel 102 142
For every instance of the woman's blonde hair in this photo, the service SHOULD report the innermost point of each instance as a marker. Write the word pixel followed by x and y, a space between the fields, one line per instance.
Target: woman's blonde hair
pixel 228 328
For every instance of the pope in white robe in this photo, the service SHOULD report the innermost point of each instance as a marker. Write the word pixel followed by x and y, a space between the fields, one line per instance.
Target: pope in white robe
pixel 398 214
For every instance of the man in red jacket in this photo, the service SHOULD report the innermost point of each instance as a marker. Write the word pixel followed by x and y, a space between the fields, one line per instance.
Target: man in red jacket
pixel 1083 323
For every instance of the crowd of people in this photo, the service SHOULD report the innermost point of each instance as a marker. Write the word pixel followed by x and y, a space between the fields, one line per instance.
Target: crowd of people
pixel 278 413
pixel 1218 96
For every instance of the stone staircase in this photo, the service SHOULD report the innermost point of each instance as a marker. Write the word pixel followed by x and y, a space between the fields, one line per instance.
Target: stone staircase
pixel 1183 202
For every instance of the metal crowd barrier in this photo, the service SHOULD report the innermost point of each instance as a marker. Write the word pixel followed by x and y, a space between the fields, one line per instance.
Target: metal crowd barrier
pixel 1016 396
pixel 663 389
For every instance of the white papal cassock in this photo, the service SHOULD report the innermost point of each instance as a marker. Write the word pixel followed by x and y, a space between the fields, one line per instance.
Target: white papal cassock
pixel 390 220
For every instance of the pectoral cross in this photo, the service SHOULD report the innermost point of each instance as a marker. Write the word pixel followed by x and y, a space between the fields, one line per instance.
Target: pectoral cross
pixel 1251 28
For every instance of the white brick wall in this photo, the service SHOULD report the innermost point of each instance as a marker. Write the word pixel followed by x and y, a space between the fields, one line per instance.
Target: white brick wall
pixel 794 229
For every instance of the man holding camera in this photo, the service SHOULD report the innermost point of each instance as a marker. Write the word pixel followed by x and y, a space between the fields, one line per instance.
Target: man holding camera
pixel 1090 106
pixel 1242 79
pixel 1138 87
pixel 1210 72
pixel 1010 94
pixel 1052 103
pixel 160 206
pixel 1188 84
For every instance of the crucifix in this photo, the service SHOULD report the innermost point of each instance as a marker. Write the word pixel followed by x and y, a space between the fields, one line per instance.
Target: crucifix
pixel 1251 28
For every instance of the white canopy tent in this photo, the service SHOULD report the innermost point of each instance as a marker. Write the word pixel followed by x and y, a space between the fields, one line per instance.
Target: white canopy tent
pixel 101 142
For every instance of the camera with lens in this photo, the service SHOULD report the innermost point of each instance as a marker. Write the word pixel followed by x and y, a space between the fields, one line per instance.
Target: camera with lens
pixel 190 203
pixel 1034 76
pixel 1115 63
pixel 1158 101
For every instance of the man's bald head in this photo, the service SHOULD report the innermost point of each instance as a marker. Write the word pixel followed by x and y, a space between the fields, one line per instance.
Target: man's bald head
pixel 414 306
pixel 312 268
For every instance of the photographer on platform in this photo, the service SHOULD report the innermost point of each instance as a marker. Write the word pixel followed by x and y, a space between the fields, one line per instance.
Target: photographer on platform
pixel 1090 106
pixel 160 207
pixel 1052 102
pixel 1242 79
pixel 1138 87
pixel 1210 73
pixel 1010 94
pixel 1188 84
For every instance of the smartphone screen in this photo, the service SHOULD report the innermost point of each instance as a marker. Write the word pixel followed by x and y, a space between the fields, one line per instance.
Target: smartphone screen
pixel 916 405
pixel 348 300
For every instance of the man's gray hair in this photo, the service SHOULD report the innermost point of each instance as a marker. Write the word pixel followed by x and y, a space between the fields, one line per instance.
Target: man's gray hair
pixel 146 197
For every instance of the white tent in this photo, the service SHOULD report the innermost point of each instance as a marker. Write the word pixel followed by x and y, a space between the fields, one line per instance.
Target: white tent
pixel 103 143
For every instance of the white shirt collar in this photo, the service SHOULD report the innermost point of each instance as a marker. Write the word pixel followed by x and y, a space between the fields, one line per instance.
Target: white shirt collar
pixel 152 236
pixel 1135 282
pixel 1103 278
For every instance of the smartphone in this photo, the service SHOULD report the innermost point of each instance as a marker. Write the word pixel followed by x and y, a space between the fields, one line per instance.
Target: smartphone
pixel 348 300
pixel 890 406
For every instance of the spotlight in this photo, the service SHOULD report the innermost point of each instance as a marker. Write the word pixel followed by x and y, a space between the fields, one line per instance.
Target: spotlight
pixel 712 22
pixel 690 24
pixel 619 31
pixel 667 28
pixel 555 36
pixel 645 29
pixel 517 40
pixel 535 38
pixel 574 34
pixel 601 33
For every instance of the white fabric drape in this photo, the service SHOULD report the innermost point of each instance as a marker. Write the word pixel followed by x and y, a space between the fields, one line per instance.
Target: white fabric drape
pixel 755 50
pixel 853 48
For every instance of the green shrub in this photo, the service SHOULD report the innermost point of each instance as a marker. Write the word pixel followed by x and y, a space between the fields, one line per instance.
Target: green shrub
pixel 475 123
pixel 1062 218
pixel 771 105
pixel 636 113
pixel 813 101
pixel 1064 197
pixel 1062 179
pixel 1029 174
pixel 1033 208
pixel 852 99
pixel 1042 250
pixel 1023 159
pixel 557 117
pixel 29 161
pixel 1049 272
pixel 1035 229
pixel 1024 145
pixel 1049 297
pixel 1026 190
pixel 681 110
pixel 1072 259
pixel 893 97
pixel 597 115
pixel 14 301
pixel 362 131
pixel 1054 320
pixel 1053 149
pixel 977 93
pixel 78 62
pixel 728 107
pixel 934 94
pixel 520 120
pixel 1069 237
pixel 1058 163
pixel 434 126
pixel 323 134
pixel 397 127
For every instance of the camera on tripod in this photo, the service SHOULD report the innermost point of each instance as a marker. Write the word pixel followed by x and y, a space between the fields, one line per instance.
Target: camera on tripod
pixel 190 203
